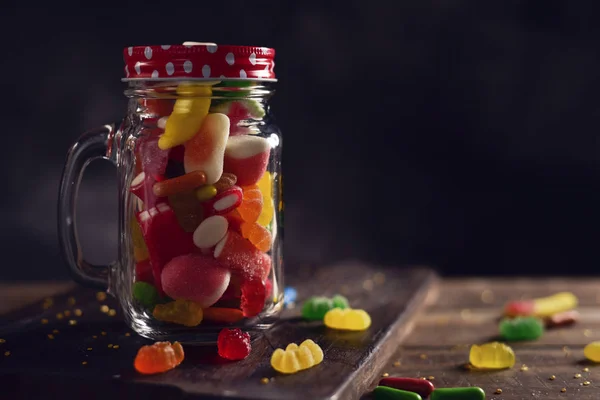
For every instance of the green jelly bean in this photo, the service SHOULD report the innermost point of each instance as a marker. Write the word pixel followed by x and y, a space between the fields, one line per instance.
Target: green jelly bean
pixel 464 393
pixel 316 307
pixel 388 393
pixel 521 328
pixel 145 294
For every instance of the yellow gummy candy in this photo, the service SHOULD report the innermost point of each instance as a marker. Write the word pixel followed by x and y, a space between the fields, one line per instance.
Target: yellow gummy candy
pixel 492 355
pixel 265 185
pixel 183 312
pixel 592 351
pixel 187 116
pixel 296 358
pixel 559 302
pixel 347 319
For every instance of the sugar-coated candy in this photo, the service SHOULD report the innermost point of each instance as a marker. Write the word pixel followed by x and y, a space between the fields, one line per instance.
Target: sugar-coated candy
pixel 223 314
pixel 421 386
pixel 188 115
pixel 256 234
pixel 143 271
pixel 388 393
pixel 140 250
pixel 252 203
pixel 464 393
pixel 492 355
pixel 145 294
pixel 210 231
pixel 238 111
pixel 164 237
pixel 195 277
pixel 188 210
pixel 265 185
pixel 204 152
pixel 521 328
pixel 235 221
pixel 296 358
pixel 226 181
pixel 182 312
pixel 542 307
pixel 562 319
pixel 224 202
pixel 247 157
pixel 159 357
pixel 142 187
pixel 153 160
pixel 592 351
pixel 347 319
pixel 241 257
pixel 233 344
pixel 289 295
pixel 180 184
pixel 206 192
pixel 316 307
pixel 254 295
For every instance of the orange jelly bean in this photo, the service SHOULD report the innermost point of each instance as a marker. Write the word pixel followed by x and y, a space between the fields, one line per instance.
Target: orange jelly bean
pixel 223 314
pixel 258 235
pixel 252 203
pixel 159 357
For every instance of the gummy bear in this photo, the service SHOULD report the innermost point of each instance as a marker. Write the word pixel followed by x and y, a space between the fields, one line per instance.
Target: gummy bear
pixel 233 344
pixel 160 357
pixel 492 355
pixel 316 307
pixel 259 236
pixel 145 294
pixel 265 184
pixel 521 328
pixel 347 319
pixel 296 358
pixel 254 295
pixel 252 203
pixel 183 312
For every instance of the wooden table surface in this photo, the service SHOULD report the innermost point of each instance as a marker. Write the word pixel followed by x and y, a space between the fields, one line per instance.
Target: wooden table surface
pixel 463 312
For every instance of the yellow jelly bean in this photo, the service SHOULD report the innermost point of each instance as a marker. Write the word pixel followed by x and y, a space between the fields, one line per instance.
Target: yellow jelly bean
pixel 265 185
pixel 206 192
pixel 559 302
pixel 140 250
pixel 183 312
pixel 296 358
pixel 187 116
pixel 492 355
pixel 592 351
pixel 347 319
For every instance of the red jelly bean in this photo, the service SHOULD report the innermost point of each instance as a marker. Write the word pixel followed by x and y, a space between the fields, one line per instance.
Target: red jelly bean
pixel 233 344
pixel 519 308
pixel 254 294
pixel 420 386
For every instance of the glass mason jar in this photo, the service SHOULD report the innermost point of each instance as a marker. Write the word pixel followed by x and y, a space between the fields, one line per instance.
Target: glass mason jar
pixel 198 158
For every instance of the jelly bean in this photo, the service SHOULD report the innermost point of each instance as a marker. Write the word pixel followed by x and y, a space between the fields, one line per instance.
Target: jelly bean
pixel 183 312
pixel 254 295
pixel 252 203
pixel 296 358
pixel 204 152
pixel 145 294
pixel 224 202
pixel 142 187
pixel 266 186
pixel 195 277
pixel 421 386
pixel 521 328
pixel 259 236
pixel 289 296
pixel 316 307
pixel 160 357
pixel 547 306
pixel 164 237
pixel 241 257
pixel 187 116
pixel 188 210
pixel 140 251
pixel 562 319
pixel 247 157
pixel 233 344
pixel 143 271
pixel 226 181
pixel 592 351
pixel 492 355
pixel 347 319
pixel 180 184
pixel 465 393
pixel 387 393
pixel 206 192
pixel 223 314
pixel 210 231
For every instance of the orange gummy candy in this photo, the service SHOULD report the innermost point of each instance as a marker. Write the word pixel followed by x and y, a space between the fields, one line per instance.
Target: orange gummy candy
pixel 160 357
pixel 252 203
pixel 258 235
pixel 223 314
pixel 235 221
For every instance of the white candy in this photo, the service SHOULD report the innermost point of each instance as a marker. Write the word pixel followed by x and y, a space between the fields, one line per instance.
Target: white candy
pixel 210 231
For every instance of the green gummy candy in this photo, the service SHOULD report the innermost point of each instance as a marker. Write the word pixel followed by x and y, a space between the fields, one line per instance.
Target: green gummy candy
pixel 466 393
pixel 316 307
pixel 340 301
pixel 145 294
pixel 388 393
pixel 521 328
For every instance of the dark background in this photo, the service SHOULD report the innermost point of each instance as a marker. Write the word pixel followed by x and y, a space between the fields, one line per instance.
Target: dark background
pixel 460 134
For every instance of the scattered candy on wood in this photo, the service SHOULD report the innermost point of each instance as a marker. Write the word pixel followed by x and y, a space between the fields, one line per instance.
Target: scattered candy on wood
pixel 296 358
pixel 347 319
pixel 465 393
pixel 159 357
pixel 204 152
pixel 492 355
pixel 521 328
pixel 421 386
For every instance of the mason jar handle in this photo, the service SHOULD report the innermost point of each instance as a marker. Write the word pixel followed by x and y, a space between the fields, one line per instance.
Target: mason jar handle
pixel 92 145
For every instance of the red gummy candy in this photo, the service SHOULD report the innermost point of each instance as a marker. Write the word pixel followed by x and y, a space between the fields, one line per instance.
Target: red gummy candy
pixel 160 357
pixel 519 308
pixel 233 344
pixel 143 272
pixel 254 294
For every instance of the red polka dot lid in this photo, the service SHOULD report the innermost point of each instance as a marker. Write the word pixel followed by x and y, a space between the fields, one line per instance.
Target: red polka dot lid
pixel 199 61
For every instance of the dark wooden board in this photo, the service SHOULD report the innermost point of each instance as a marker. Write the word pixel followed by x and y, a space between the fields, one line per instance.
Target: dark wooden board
pixel 38 365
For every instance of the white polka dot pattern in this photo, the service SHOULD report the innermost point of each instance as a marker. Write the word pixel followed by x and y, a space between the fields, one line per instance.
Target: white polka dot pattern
pixel 252 59
pixel 230 58
pixel 170 68
pixel 155 74
pixel 148 53
pixel 138 68
pixel 187 66
pixel 243 74
pixel 206 71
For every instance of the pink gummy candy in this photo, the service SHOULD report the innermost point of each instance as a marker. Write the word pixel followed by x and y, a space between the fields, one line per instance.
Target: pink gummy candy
pixel 247 157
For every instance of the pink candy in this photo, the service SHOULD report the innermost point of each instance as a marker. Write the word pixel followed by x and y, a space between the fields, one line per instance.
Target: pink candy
pixel 241 257
pixel 247 157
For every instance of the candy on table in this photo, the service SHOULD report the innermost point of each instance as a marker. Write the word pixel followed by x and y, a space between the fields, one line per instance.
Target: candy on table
pixel 159 357
pixel 204 152
pixel 247 157
pixel 140 251
pixel 238 111
pixel 210 231
pixel 235 221
pixel 141 186
pixel 592 351
pixel 519 307
pixel 241 257
pixel 195 277
pixel 521 328
pixel 492 355
pixel 180 184
pixel 164 237
pixel 233 344
pixel 464 393
pixel 388 393
pixel 254 295
pixel 223 314
pixel 542 307
pixel 226 181
pixel 143 271
pixel 265 184
pixel 183 312
pixel 256 234
pixel 224 202
pixel 562 319
pixel 421 386
pixel 296 358
pixel 153 160
pixel 206 192
pixel 252 203
pixel 347 319
pixel 289 295
pixel 145 294
pixel 187 209
pixel 187 116
pixel 316 307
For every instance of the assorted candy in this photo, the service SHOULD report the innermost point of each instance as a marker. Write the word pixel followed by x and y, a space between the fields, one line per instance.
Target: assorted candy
pixel 422 387
pixel 492 355
pixel 347 319
pixel 159 357
pixel 233 344
pixel 316 307
pixel 296 358
pixel 521 328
